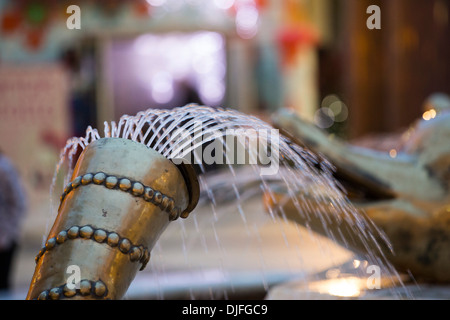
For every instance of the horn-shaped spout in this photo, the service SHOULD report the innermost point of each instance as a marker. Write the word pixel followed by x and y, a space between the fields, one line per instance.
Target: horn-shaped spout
pixel 121 198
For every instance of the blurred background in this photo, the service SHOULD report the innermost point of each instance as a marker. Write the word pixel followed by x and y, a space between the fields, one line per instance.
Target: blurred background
pixel 317 57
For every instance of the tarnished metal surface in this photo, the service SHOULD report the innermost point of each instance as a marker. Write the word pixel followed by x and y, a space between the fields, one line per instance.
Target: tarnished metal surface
pixel 406 196
pixel 121 198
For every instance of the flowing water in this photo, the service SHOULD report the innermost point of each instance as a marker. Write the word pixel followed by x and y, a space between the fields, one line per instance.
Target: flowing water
pixel 205 136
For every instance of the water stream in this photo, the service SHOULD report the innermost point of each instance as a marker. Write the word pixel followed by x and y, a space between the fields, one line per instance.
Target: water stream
pixel 210 138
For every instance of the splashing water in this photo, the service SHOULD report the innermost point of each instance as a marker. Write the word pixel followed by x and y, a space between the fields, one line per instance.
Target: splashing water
pixel 185 132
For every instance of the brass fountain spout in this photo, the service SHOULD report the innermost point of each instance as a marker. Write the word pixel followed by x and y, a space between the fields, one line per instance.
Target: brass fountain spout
pixel 121 198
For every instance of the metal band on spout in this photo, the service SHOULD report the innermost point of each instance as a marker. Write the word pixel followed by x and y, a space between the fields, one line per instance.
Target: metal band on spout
pixel 136 252
pixel 94 289
pixel 135 188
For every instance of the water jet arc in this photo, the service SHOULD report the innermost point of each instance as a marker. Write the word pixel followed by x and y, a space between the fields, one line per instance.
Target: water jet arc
pixel 407 197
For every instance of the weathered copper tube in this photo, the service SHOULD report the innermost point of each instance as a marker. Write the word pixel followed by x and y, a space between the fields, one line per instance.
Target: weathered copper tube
pixel 121 198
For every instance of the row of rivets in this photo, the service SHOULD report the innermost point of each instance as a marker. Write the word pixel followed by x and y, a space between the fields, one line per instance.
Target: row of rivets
pixel 95 288
pixel 134 187
pixel 137 253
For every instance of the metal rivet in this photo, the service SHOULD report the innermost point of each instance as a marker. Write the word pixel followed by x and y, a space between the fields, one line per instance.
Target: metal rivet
pixel 69 292
pixel 40 254
pixel 72 233
pixel 50 243
pixel 54 293
pixel 164 202
pixel 157 198
pixel 87 178
pixel 135 253
pixel 85 287
pixel 148 194
pixel 171 205
pixel 125 245
pixel 175 213
pixel 99 288
pixel 100 235
pixel 111 182
pixel 145 259
pixel 76 182
pixel 99 178
pixel 113 239
pixel 138 189
pixel 124 184
pixel 43 295
pixel 61 237
pixel 68 188
pixel 86 232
